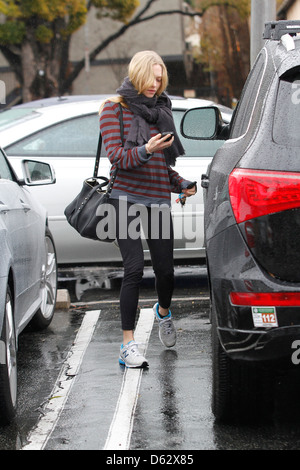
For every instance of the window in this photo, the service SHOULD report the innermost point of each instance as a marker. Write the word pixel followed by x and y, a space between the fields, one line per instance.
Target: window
pixel 75 137
pixel 79 137
pixel 287 111
pixel 8 117
pixel 5 171
pixel 245 108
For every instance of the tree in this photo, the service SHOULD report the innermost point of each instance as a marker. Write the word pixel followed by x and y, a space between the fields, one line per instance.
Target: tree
pixel 225 44
pixel 35 37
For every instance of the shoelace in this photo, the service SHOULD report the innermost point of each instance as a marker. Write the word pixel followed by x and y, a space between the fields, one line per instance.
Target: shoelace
pixel 166 325
pixel 133 347
pixel 134 350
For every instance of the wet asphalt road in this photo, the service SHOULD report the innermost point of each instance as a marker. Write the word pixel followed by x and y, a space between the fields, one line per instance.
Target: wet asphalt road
pixel 172 409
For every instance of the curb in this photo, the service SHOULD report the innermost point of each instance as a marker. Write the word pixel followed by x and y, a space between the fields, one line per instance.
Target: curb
pixel 63 300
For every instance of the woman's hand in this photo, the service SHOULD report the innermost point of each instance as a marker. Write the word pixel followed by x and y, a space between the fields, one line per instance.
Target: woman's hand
pixel 190 191
pixel 187 193
pixel 158 142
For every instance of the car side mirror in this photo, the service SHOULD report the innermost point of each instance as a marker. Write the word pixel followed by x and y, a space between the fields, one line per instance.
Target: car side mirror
pixel 37 173
pixel 201 123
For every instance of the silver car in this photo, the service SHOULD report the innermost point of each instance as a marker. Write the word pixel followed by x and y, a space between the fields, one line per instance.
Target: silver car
pixel 28 269
pixel 64 131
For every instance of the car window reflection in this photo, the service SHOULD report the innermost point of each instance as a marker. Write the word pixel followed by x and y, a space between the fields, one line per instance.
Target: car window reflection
pixel 79 137
pixel 75 137
pixel 5 172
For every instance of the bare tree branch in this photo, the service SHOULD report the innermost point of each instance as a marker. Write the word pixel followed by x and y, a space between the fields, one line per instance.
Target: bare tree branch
pixel 139 18
pixel 136 20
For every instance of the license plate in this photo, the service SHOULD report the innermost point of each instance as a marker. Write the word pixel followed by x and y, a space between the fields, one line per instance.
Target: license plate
pixel 264 317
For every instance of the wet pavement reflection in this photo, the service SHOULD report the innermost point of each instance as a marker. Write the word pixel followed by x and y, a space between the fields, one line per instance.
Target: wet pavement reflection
pixel 173 408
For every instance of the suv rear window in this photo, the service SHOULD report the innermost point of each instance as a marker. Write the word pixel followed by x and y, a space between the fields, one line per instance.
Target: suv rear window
pixel 287 112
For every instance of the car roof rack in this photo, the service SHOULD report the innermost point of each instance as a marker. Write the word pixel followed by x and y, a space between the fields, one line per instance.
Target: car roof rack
pixel 276 29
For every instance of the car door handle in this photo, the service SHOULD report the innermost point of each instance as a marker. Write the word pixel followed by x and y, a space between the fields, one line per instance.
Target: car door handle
pixel 25 206
pixel 3 207
pixel 204 181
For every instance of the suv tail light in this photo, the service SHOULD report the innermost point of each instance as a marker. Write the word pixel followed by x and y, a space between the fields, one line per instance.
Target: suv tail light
pixel 274 299
pixel 254 193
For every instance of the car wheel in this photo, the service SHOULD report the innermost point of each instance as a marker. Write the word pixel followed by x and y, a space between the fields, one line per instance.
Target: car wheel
pixel 241 391
pixel 8 371
pixel 221 382
pixel 44 315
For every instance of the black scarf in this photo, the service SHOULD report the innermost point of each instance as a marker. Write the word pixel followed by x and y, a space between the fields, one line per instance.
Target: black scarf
pixel 146 111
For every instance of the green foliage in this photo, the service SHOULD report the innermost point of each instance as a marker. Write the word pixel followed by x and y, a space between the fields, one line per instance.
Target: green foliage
pixel 43 34
pixel 40 16
pixel 12 32
pixel 44 16
pixel 9 8
pixel 120 10
pixel 50 10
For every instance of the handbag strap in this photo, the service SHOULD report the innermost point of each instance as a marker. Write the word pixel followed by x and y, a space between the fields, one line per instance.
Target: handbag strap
pixel 100 145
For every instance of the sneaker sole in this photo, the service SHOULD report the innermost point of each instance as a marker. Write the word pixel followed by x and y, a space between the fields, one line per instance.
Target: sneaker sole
pixel 142 366
pixel 166 345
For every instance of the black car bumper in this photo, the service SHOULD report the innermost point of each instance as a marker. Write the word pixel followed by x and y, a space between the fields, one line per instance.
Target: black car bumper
pixel 275 343
pixel 232 269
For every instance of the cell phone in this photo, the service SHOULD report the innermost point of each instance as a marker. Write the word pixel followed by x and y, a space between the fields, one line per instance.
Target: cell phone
pixel 166 133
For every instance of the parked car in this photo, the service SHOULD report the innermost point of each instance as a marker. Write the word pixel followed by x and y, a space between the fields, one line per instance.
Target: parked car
pixel 64 131
pixel 252 228
pixel 28 279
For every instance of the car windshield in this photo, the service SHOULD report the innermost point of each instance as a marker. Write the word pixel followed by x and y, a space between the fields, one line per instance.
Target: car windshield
pixel 287 112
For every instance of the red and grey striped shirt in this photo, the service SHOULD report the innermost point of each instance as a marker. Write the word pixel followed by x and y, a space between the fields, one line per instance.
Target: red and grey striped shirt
pixel 142 178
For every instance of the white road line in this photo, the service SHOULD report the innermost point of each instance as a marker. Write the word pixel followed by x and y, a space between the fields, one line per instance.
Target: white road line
pixel 119 434
pixel 58 398
pixel 116 301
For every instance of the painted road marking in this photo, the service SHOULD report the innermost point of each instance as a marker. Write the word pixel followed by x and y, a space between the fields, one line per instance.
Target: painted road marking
pixel 40 435
pixel 141 300
pixel 119 434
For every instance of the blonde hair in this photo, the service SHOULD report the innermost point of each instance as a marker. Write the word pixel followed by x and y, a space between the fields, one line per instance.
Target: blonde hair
pixel 140 71
pixel 141 75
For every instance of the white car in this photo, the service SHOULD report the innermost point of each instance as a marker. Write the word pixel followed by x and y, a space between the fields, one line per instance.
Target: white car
pixel 28 269
pixel 64 132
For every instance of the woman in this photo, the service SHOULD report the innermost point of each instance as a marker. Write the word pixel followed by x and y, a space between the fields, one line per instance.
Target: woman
pixel 144 178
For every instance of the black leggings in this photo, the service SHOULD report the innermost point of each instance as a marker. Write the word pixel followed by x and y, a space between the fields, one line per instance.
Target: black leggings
pixel 159 237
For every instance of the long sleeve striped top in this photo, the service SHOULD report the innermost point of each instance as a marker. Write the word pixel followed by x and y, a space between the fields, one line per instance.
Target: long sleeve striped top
pixel 142 178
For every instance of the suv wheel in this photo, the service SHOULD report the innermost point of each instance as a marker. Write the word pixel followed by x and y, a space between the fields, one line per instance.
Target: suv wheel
pixel 241 391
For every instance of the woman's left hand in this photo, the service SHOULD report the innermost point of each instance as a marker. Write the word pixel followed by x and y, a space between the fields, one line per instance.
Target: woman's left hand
pixel 187 193
pixel 190 192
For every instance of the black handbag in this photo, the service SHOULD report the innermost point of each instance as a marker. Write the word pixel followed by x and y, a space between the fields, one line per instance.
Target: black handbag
pixel 84 213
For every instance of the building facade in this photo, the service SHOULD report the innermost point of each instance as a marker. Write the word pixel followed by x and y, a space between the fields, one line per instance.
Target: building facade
pixel 164 34
pixel 289 10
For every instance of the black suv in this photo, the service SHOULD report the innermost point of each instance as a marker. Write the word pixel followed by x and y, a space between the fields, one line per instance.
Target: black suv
pixel 252 226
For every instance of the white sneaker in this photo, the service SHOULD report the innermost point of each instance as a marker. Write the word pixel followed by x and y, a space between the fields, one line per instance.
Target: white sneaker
pixel 167 331
pixel 130 356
